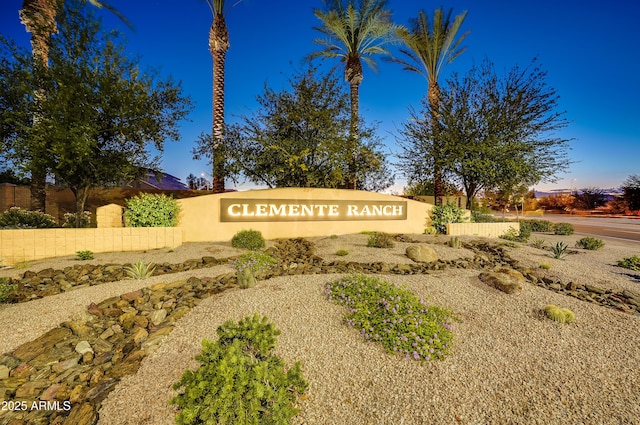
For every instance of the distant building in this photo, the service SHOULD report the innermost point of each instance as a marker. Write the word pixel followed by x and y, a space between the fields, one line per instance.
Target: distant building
pixel 162 181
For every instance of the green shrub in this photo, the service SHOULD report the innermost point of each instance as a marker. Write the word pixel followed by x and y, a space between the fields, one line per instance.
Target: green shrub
pixel 632 263
pixel 140 270
pixel 481 217
pixel 561 315
pixel 240 381
pixel 17 218
pixel 455 242
pixel 564 229
pixel 70 220
pixel 84 255
pixel 518 236
pixel 559 250
pixel 393 316
pixel 248 239
pixel 342 252
pixel 152 210
pixel 539 226
pixel 545 266
pixel 590 243
pixel 6 289
pixel 380 240
pixel 251 263
pixel 430 230
pixel 441 215
pixel 538 243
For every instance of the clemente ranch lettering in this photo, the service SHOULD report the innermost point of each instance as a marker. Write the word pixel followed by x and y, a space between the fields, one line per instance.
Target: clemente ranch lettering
pixel 265 210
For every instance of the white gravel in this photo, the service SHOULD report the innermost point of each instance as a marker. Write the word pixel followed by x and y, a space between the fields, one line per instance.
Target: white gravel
pixel 508 365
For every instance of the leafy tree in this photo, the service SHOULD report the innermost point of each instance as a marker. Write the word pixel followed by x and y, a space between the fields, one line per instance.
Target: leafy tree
pixel 429 46
pixel 631 192
pixel 296 138
pixel 39 19
pixel 99 114
pixel 355 31
pixel 590 198
pixel 492 132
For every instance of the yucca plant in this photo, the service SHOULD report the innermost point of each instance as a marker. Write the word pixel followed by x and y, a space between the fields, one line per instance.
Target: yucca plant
pixel 559 250
pixel 140 270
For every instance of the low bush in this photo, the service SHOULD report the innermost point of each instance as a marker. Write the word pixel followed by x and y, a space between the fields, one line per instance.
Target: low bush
pixel 6 289
pixel 563 229
pixel 152 210
pixel 455 242
pixel 17 218
pixel 251 263
pixel 240 381
pixel 394 317
pixel 631 263
pixel 342 252
pixel 590 243
pixel 560 315
pixel 559 250
pixel 545 266
pixel 538 243
pixel 84 255
pixel 380 240
pixel 248 239
pixel 517 236
pixel 441 215
pixel 539 226
pixel 140 270
pixel 71 220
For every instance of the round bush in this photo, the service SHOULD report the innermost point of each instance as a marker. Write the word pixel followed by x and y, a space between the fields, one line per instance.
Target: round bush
pixel 590 243
pixel 152 210
pixel 563 229
pixel 17 218
pixel 248 239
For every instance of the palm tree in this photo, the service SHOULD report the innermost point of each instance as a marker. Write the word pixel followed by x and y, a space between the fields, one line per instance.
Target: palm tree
pixel 429 47
pixel 39 19
pixel 356 30
pixel 218 45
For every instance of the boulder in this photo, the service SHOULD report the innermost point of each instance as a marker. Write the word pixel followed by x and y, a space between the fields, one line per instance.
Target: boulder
pixel 421 253
pixel 506 280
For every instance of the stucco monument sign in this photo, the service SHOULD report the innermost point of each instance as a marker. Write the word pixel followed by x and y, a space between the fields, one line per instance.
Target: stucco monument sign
pixel 298 212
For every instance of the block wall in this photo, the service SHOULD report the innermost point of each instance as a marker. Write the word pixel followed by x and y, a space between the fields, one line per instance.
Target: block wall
pixel 489 230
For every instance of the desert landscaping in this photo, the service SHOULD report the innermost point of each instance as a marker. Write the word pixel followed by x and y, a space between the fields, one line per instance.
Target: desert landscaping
pixel 508 362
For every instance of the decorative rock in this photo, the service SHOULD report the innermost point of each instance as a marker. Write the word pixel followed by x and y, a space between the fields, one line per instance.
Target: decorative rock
pixel 51 392
pixel 83 414
pixel 78 328
pixel 65 364
pixel 158 316
pixel 23 371
pixel 84 347
pixel 130 296
pixel 42 344
pixel 140 335
pixel 4 372
pixel 506 280
pixel 421 253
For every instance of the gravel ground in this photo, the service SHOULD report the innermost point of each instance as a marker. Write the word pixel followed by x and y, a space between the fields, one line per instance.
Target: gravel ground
pixel 508 365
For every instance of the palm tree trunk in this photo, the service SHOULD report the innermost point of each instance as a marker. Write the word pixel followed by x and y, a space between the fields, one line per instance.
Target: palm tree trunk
pixel 218 44
pixel 433 96
pixel 39 19
pixel 353 74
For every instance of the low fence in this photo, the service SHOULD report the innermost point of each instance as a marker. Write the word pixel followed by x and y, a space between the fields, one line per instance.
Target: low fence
pixel 489 230
pixel 36 244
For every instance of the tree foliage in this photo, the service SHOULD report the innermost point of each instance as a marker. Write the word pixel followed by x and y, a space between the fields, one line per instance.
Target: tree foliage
pixel 99 113
pixel 631 192
pixel 297 138
pixel 492 132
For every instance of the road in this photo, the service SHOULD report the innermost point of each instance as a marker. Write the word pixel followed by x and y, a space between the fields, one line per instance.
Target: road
pixel 614 227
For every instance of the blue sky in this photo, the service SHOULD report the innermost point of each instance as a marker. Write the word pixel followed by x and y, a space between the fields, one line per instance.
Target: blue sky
pixel 589 48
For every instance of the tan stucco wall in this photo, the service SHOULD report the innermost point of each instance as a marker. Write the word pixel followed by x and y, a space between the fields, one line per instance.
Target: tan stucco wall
pixel 200 216
pixel 489 230
pixel 35 244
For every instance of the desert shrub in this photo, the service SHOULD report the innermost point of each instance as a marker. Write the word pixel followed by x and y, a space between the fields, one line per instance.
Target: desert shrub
pixel 394 317
pixel 71 219
pixel 342 252
pixel 454 242
pixel 521 235
pixel 84 255
pixel 482 217
pixel 441 215
pixel 563 229
pixel 430 230
pixel 17 218
pixel 539 226
pixel 240 381
pixel 559 250
pixel 248 239
pixel 590 243
pixel 380 240
pixel 632 263
pixel 152 210
pixel 249 264
pixel 561 315
pixel 545 266
pixel 6 289
pixel 538 243
pixel 140 270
